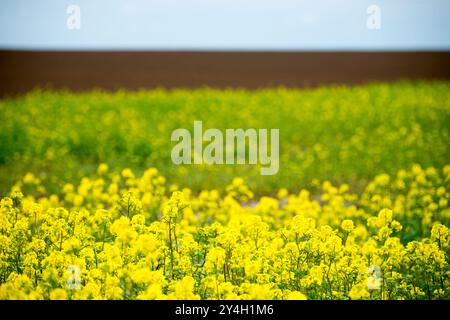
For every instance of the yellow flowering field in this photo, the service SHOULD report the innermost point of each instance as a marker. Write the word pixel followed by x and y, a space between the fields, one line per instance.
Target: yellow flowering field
pixel 341 134
pixel 359 210
pixel 120 236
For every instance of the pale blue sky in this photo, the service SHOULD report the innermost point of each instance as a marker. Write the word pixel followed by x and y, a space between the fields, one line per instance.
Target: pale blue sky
pixel 226 25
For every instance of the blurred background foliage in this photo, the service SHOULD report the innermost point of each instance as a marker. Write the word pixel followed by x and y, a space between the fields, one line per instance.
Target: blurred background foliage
pixel 341 134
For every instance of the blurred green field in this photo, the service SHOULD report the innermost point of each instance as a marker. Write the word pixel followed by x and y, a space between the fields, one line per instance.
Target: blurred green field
pixel 341 134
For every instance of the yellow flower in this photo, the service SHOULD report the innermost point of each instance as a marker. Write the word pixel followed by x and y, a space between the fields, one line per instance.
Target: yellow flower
pixel 358 292
pixel 282 193
pixel 184 289
pixel 58 294
pixel 347 225
pixel 296 295
pixel 78 200
pixel 127 173
pixel 102 169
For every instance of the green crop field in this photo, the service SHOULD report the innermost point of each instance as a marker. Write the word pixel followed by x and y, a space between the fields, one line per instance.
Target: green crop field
pixel 342 134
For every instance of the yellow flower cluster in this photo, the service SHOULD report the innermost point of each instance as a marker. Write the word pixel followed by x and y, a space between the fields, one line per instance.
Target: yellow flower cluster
pixel 120 236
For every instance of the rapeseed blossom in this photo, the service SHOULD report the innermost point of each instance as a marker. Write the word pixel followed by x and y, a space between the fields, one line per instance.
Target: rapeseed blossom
pixel 125 236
